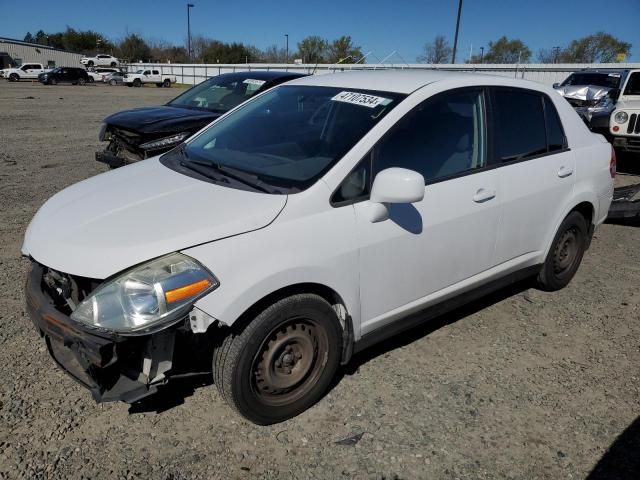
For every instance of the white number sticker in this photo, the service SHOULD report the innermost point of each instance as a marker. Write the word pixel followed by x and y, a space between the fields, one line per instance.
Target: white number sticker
pixel 362 99
pixel 253 81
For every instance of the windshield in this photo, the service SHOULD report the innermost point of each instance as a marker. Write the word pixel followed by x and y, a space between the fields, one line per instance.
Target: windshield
pixel 633 85
pixel 219 94
pixel 290 136
pixel 609 80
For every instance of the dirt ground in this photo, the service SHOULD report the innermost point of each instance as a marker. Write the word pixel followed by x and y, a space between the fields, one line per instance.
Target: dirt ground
pixel 523 384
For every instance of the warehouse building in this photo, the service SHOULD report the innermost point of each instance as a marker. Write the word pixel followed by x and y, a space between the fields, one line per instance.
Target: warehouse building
pixel 14 53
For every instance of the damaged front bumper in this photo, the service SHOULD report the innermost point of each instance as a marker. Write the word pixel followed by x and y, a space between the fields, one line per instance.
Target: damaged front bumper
pixel 112 366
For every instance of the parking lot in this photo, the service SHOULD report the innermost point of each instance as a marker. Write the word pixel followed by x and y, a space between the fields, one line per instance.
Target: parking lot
pixel 523 384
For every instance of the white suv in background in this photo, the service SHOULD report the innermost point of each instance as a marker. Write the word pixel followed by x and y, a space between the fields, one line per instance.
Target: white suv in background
pixel 101 60
pixel 624 123
pixel 312 221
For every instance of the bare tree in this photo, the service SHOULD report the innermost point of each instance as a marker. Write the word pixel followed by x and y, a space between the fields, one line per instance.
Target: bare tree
pixel 438 51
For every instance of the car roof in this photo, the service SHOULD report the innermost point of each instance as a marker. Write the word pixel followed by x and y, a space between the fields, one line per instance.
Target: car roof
pixel 603 71
pixel 402 81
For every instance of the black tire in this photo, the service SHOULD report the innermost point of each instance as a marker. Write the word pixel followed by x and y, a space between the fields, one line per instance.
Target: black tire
pixel 81 81
pixel 565 254
pixel 90 79
pixel 166 83
pixel 113 64
pixel 113 83
pixel 129 85
pixel 137 82
pixel 14 77
pixel 90 63
pixel 158 85
pixel 282 362
pixel 53 81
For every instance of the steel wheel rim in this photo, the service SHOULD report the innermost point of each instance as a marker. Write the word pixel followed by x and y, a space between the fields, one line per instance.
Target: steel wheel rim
pixel 289 362
pixel 566 251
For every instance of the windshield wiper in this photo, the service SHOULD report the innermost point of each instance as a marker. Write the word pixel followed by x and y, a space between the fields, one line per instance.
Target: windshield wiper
pixel 238 175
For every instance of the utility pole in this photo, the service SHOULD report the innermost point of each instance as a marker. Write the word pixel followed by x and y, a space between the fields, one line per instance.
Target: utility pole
pixel 556 53
pixel 455 39
pixel 189 7
pixel 286 36
pixel 481 54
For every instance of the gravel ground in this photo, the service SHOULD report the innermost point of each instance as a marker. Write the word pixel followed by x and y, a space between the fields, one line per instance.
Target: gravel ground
pixel 524 384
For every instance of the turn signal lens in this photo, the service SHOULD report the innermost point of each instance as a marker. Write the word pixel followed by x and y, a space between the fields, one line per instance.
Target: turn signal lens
pixel 188 291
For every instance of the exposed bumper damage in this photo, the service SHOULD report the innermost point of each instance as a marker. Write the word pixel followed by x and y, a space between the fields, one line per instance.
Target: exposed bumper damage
pixel 626 203
pixel 112 366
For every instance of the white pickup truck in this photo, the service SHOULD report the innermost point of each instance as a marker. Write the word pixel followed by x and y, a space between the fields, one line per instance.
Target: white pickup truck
pixel 27 71
pixel 149 76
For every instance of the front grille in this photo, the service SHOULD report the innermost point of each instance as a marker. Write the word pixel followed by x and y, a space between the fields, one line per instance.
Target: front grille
pixel 634 124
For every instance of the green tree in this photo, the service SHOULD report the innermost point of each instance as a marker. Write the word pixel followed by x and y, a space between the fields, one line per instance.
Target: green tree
pixel 133 48
pixel 313 49
pixel 437 51
pixel 597 48
pixel 29 38
pixel 504 50
pixel 342 50
pixel 41 38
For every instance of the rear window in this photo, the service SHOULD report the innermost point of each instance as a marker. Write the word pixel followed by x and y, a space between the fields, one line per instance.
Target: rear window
pixel 519 125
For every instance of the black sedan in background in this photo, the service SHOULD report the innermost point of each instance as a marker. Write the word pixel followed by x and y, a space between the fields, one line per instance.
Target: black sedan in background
pixel 145 132
pixel 75 76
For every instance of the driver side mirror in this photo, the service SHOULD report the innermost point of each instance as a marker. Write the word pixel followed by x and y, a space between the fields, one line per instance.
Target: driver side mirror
pixel 556 85
pixel 394 185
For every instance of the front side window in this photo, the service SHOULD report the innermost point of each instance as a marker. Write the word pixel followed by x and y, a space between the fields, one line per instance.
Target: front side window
pixel 633 84
pixel 443 137
pixel 519 125
pixel 288 137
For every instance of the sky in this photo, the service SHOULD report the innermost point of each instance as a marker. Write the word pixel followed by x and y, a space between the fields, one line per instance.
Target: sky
pixel 375 25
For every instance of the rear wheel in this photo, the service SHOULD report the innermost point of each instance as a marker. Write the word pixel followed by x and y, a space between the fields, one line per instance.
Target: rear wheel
pixel 166 83
pixel 112 83
pixel 565 254
pixel 158 85
pixel 137 82
pixel 282 362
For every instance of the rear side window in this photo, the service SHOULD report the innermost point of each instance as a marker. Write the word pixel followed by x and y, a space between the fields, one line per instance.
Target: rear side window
pixel 519 125
pixel 556 139
pixel 156 72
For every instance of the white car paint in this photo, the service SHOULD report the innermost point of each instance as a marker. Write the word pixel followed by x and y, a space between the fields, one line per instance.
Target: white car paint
pixel 627 134
pixel 148 76
pixel 100 60
pixel 27 71
pixel 99 74
pixel 472 229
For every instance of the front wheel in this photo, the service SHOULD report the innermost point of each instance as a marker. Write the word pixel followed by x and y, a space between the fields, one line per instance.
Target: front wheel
pixel 81 81
pixel 14 77
pixel 90 79
pixel 282 362
pixel 53 81
pixel 166 83
pixel 113 83
pixel 565 254
pixel 137 83
pixel 113 64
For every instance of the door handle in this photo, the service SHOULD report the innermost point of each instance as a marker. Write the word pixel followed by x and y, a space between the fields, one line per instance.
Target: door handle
pixel 484 195
pixel 565 172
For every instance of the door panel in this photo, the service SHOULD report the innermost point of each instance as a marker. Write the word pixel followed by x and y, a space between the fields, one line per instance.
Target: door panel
pixel 427 246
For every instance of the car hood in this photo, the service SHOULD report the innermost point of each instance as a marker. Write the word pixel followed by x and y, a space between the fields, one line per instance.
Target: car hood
pixel 115 220
pixel 628 104
pixel 583 92
pixel 161 119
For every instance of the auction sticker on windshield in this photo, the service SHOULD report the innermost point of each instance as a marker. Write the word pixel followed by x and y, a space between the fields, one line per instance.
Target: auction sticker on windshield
pixel 362 99
pixel 253 81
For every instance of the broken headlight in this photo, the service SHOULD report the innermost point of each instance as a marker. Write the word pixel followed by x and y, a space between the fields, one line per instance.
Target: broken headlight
pixel 155 292
pixel 165 142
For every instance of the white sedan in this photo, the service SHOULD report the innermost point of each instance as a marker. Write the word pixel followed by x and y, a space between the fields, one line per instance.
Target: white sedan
pixel 312 221
pixel 100 60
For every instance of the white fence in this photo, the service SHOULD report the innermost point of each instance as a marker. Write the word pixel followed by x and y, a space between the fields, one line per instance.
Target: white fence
pixel 548 74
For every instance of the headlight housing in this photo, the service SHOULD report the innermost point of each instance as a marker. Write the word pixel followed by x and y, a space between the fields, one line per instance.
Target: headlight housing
pixel 145 296
pixel 621 117
pixel 165 142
